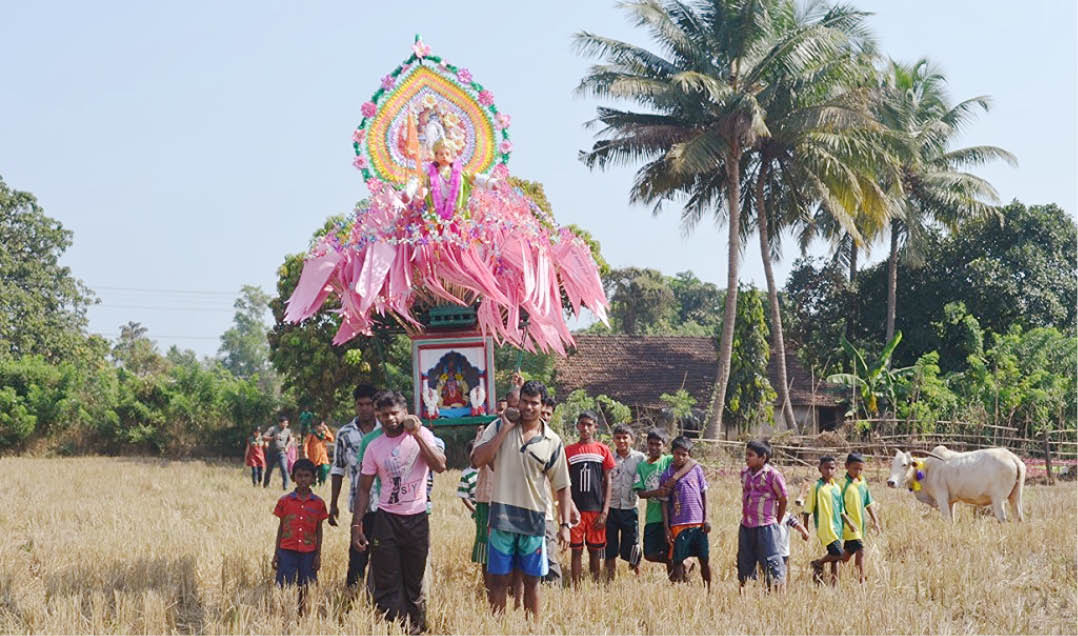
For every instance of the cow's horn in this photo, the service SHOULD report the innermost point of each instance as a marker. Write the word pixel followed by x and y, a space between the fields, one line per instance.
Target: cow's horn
pixel 929 454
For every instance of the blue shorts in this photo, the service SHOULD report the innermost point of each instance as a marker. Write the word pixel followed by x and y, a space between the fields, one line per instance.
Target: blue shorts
pixel 295 568
pixel 508 551
pixel 760 546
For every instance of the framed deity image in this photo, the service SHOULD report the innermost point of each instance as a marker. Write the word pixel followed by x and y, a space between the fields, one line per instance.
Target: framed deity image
pixel 453 375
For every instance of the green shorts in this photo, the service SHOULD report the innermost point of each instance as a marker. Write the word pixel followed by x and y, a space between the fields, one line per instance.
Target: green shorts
pixel 479 548
pixel 690 542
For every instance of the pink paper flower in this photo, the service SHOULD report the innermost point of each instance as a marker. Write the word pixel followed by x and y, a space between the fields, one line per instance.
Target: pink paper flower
pixel 505 146
pixel 464 75
pixel 420 49
pixel 388 81
pixel 368 109
pixel 486 97
pixel 501 171
pixel 358 135
pixel 360 162
pixel 501 120
pixel 374 185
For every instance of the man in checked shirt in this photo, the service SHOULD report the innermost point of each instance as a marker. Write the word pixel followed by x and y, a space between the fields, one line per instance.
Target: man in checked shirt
pixel 345 465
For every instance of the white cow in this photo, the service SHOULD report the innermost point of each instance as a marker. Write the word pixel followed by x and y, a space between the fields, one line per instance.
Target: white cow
pixel 981 477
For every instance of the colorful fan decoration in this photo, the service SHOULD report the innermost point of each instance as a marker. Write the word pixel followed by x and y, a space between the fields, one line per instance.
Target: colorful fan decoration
pixel 431 99
pixel 444 224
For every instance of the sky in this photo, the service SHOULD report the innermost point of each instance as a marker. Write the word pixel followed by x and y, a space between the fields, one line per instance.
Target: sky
pixel 190 146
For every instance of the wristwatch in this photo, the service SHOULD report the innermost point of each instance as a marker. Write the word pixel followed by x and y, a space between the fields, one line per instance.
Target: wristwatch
pixel 566 524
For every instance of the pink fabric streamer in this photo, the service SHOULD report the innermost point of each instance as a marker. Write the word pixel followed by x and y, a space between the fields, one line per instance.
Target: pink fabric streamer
pixel 497 248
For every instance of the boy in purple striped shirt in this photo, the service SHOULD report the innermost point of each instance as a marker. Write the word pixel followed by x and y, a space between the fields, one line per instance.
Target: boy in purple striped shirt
pixel 763 504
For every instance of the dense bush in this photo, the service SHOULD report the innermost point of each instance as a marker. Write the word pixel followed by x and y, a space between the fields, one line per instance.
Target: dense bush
pixel 73 407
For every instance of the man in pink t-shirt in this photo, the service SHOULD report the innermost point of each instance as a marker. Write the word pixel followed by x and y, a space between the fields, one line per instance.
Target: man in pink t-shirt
pixel 401 458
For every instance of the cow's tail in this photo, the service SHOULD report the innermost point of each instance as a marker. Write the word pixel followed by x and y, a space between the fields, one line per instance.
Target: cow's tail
pixel 1016 491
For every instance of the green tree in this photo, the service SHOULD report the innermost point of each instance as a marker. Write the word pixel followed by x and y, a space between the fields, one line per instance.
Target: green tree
pixel 1018 270
pixel 244 348
pixel 824 152
pixel 699 304
pixel 875 384
pixel 42 305
pixel 751 398
pixel 934 187
pixel 641 301
pixel 135 351
pixel 702 113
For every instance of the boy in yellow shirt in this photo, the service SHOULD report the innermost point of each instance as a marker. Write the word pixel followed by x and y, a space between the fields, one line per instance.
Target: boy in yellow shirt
pixel 825 507
pixel 856 500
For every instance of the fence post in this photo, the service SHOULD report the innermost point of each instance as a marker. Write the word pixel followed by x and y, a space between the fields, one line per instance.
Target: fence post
pixel 1048 459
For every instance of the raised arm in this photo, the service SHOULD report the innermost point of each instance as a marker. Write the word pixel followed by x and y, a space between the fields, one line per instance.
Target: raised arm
pixel 434 457
pixel 483 454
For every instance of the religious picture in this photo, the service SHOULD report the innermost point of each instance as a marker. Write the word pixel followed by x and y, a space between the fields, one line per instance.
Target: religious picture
pixel 452 376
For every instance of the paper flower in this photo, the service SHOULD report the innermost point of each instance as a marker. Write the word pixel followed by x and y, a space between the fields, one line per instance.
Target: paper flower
pixel 358 135
pixel 421 49
pixel 501 120
pixel 368 109
pixel 464 75
pixel 486 97
pixel 429 101
pixel 505 146
pixel 388 81
pixel 501 171
pixel 360 162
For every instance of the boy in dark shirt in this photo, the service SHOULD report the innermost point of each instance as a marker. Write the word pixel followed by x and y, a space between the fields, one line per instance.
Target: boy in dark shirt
pixel 590 463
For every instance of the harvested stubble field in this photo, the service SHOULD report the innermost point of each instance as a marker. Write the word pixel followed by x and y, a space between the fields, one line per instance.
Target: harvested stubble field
pixel 108 545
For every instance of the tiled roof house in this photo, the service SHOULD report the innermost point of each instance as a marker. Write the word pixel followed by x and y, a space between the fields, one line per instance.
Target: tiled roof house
pixel 636 370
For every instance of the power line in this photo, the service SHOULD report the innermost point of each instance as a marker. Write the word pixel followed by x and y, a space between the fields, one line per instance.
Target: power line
pixel 167 291
pixel 106 306
pixel 155 336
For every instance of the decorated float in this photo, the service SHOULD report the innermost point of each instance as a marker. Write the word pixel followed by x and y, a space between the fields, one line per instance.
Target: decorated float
pixel 446 247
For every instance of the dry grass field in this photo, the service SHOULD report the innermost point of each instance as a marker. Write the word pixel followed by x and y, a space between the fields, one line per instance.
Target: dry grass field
pixel 108 545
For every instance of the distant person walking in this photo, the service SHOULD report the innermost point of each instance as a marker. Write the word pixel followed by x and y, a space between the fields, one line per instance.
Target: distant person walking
pixel 279 437
pixel 254 456
pixel 314 449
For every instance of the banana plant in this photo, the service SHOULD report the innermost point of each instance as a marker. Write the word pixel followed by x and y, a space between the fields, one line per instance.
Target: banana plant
pixel 876 382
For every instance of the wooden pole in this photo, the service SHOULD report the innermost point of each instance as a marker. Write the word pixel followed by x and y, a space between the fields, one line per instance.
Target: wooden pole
pixel 1048 459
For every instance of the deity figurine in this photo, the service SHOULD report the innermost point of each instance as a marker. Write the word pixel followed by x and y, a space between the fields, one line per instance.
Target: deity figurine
pixel 453 389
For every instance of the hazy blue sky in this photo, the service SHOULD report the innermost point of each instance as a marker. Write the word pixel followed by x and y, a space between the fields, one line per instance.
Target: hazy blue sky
pixel 191 145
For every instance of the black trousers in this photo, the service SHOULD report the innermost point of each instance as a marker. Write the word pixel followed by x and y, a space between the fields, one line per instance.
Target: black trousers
pixel 357 560
pixel 399 546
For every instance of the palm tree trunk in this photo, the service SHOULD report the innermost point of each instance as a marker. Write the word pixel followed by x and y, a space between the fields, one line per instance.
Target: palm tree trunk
pixel 851 302
pixel 778 346
pixel 853 260
pixel 726 341
pixel 892 282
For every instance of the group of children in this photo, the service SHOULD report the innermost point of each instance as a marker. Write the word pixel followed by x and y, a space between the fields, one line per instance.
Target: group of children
pixel 606 485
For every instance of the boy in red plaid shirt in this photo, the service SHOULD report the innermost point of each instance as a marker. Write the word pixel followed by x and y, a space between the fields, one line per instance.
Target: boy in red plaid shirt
pixel 298 553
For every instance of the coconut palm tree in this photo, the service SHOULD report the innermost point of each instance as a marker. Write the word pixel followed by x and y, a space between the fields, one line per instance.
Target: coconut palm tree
pixel 701 116
pixel 825 152
pixel 936 190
